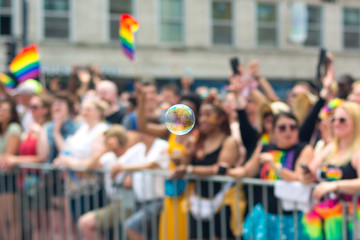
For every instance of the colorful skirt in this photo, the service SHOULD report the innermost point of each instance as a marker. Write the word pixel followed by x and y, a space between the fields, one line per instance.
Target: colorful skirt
pixel 325 220
pixel 266 226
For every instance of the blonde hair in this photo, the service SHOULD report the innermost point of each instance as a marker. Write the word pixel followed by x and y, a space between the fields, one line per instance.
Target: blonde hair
pixel 100 105
pixel 353 110
pixel 119 132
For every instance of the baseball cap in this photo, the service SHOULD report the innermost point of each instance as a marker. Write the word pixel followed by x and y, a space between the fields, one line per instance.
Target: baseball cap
pixel 29 87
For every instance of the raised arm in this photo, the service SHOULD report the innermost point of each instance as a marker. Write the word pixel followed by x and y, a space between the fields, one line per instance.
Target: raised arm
pixel 156 130
pixel 253 69
pixel 308 126
pixel 268 89
pixel 249 134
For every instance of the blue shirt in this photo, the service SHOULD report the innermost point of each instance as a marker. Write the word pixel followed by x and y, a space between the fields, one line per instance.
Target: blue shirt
pixel 67 129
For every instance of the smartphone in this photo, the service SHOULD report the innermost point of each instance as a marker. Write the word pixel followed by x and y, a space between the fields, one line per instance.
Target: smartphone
pixel 222 170
pixel 321 64
pixel 305 167
pixel 234 63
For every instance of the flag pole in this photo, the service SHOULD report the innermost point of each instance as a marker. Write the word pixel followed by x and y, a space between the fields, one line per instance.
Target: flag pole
pixel 136 72
pixel 42 79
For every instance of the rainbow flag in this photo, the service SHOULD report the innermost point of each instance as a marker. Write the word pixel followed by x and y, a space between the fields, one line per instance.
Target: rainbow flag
pixel 26 64
pixel 128 25
pixel 7 81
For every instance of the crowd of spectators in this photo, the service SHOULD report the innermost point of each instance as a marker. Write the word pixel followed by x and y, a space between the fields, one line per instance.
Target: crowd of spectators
pixel 311 137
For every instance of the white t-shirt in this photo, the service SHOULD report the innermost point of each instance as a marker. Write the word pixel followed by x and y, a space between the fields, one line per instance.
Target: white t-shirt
pixel 146 187
pixel 80 144
pixel 109 159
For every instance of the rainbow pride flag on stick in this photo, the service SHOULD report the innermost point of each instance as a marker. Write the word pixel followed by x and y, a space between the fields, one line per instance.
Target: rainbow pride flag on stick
pixel 26 64
pixel 128 25
pixel 7 81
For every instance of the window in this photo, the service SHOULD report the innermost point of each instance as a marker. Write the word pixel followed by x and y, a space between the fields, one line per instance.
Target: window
pixel 267 19
pixel 57 19
pixel 5 17
pixel 116 8
pixel 351 22
pixel 314 26
pixel 171 21
pixel 222 29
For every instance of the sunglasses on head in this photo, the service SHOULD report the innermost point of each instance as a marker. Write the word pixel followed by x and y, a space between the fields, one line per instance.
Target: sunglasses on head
pixel 292 127
pixel 341 120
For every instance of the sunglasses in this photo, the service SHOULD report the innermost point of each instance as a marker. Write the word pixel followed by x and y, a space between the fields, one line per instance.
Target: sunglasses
pixel 34 107
pixel 341 120
pixel 292 127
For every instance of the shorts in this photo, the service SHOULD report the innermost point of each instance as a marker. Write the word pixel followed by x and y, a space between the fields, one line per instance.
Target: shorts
pixel 8 182
pixel 145 220
pixel 84 203
pixel 112 213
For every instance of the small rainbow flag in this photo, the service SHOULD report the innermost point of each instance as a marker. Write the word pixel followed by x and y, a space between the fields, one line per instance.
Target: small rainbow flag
pixel 26 64
pixel 128 25
pixel 7 81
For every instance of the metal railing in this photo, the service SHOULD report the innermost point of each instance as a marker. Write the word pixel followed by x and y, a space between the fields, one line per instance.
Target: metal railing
pixel 39 201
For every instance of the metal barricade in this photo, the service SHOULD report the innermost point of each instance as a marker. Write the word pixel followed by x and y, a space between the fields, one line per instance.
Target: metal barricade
pixel 39 201
pixel 47 202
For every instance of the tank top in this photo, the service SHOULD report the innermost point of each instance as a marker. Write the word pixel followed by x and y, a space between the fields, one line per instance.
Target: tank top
pixel 287 158
pixel 333 173
pixel 202 186
pixel 28 145
pixel 330 172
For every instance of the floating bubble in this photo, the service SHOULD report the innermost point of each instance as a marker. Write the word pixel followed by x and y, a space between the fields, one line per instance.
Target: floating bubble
pixel 179 119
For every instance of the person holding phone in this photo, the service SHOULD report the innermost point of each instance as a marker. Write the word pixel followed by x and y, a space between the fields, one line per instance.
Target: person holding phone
pixel 337 168
pixel 280 160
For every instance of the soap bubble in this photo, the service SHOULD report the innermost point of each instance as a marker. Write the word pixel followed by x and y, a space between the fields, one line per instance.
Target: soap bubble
pixel 179 119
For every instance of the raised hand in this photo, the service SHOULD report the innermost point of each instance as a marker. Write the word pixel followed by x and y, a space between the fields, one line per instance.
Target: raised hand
pixel 83 75
pixel 139 92
pixel 329 77
pixel 253 68
pixel 59 120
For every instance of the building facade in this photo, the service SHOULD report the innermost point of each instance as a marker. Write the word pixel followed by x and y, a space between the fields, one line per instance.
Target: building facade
pixel 178 37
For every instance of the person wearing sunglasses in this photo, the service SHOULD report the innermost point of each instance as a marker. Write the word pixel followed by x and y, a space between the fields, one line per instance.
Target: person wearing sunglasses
pixel 337 168
pixel 280 160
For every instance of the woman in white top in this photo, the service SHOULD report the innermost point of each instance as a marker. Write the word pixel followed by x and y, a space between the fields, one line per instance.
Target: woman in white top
pixel 87 142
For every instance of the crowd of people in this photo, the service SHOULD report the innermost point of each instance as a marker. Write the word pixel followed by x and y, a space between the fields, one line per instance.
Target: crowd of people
pixel 311 137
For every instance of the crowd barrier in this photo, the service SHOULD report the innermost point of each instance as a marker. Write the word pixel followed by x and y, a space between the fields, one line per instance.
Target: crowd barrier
pixel 39 201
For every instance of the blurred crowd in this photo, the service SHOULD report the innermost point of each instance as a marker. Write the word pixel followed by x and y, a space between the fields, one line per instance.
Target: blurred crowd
pixel 311 137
